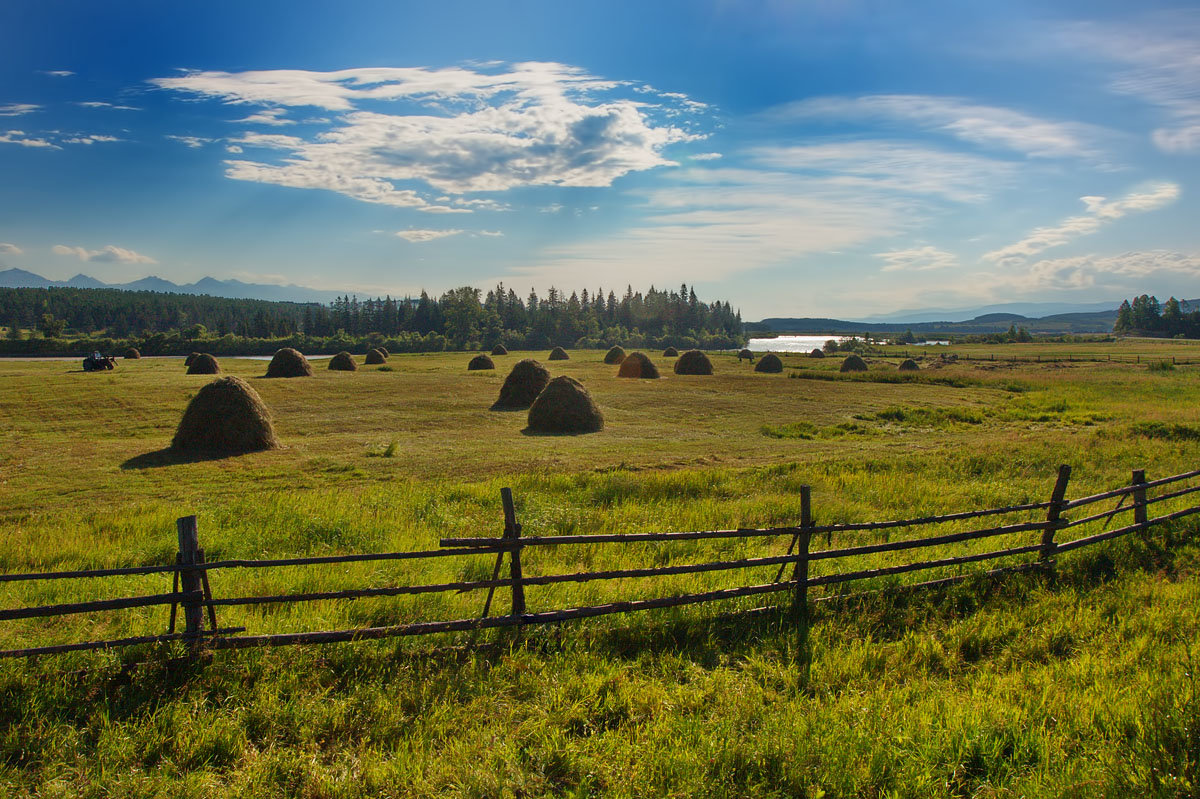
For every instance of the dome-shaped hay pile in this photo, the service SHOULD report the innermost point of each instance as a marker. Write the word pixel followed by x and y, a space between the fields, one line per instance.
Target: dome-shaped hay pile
pixel 226 415
pixel 614 356
pixel 132 354
pixel 746 354
pixel 817 353
pixel 693 362
pixel 480 362
pixel 385 352
pixel 853 363
pixel 565 406
pixel 909 365
pixel 188 360
pixel 343 362
pixel 769 363
pixel 670 352
pixel 559 354
pixel 375 357
pixel 289 363
pixel 522 386
pixel 204 364
pixel 499 350
pixel 636 364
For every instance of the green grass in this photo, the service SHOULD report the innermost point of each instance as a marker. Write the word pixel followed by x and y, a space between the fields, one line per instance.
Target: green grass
pixel 1081 686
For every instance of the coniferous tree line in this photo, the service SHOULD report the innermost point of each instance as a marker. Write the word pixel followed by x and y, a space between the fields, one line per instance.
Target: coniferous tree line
pixel 1146 315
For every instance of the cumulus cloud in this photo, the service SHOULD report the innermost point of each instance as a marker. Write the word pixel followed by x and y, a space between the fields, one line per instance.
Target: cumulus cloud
pixel 90 138
pixel 420 236
pixel 461 131
pixel 1100 212
pixel 10 249
pixel 919 259
pixel 18 109
pixel 108 254
pixel 21 138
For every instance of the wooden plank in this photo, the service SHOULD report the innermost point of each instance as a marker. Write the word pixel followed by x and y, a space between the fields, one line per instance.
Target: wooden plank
pixel 919 543
pixel 1098 537
pixel 1116 492
pixel 113 643
pixel 189 578
pixel 1138 481
pixel 512 533
pixel 867 574
pixel 1054 513
pixel 71 608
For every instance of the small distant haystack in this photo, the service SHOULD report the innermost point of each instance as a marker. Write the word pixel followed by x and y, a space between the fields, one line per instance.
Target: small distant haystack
pixel 614 356
pixel 693 362
pixel 565 406
pixel 909 365
pixel 636 364
pixel 132 354
pixel 228 416
pixel 769 363
pixel 289 362
pixel 559 354
pixel 480 362
pixel 522 386
pixel 746 354
pixel 817 353
pixel 343 362
pixel 499 350
pixel 375 356
pixel 204 364
pixel 188 360
pixel 853 363
pixel 670 352
pixel 385 352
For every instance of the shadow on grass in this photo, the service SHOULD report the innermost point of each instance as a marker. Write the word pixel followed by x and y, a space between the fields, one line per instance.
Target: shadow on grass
pixel 172 457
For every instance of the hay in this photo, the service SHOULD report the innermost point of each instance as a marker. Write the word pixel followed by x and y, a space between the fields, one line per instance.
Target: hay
pixel 909 365
pixel 343 362
pixel 769 363
pixel 522 386
pixel 385 352
pixel 289 363
pixel 614 356
pixel 228 416
pixel 746 354
pixel 670 352
pixel 188 360
pixel 499 350
pixel 559 354
pixel 204 364
pixel 636 364
pixel 853 363
pixel 817 353
pixel 565 406
pixel 693 362
pixel 132 354
pixel 480 362
pixel 374 357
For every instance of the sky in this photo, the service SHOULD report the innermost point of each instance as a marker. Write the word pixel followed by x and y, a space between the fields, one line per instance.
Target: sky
pixel 815 158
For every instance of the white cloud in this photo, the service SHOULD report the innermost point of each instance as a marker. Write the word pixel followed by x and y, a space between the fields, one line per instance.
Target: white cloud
pixel 18 109
pixel 493 233
pixel 10 249
pixel 58 73
pixel 268 116
pixel 706 156
pixel 90 138
pixel 233 148
pixel 1127 269
pixel 108 254
pixel 552 208
pixel 1100 212
pixel 987 126
pixel 919 259
pixel 420 236
pixel 20 137
pixel 99 104
pixel 191 141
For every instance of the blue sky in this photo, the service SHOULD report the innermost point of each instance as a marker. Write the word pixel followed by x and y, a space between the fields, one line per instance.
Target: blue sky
pixel 798 158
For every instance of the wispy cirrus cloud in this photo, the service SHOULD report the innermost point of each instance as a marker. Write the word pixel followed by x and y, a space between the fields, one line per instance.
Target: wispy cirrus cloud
pixel 194 142
pixel 1129 270
pixel 107 254
pixel 18 109
pixel 58 73
pixel 917 259
pixel 101 104
pixel 268 116
pixel 422 236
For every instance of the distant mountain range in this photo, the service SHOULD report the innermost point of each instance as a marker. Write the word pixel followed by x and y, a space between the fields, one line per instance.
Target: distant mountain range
pixel 234 289
pixel 1093 322
pixel 1033 310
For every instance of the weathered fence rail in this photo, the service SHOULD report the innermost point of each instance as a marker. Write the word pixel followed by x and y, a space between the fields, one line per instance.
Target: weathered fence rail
pixel 192 594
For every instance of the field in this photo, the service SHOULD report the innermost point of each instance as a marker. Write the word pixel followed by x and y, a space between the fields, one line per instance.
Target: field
pixel 1082 686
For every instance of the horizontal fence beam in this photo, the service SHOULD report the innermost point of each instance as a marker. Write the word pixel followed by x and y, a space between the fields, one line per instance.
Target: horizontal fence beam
pixel 1133 528
pixel 1116 492
pixel 114 643
pixel 867 574
pixel 100 604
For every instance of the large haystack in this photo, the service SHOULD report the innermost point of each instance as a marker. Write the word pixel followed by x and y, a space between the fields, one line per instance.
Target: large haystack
pixel 636 364
pixel 226 416
pixel 817 353
pixel 559 354
pixel 522 386
pixel 289 363
pixel 769 363
pixel 565 406
pixel 499 350
pixel 375 357
pixel 204 364
pixel 614 356
pixel 343 362
pixel 188 360
pixel 853 363
pixel 132 354
pixel 693 362
pixel 670 352
pixel 909 365
pixel 480 362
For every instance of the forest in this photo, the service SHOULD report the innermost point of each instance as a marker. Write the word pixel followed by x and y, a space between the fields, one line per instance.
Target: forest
pixel 1147 316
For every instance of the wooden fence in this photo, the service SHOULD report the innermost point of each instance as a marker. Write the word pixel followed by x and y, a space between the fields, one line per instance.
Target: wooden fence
pixel 1033 535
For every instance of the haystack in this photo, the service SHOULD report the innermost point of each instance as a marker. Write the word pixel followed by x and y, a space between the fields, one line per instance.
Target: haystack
pixel 670 352
pixel 204 364
pixel 375 356
pixel 132 354
pixel 226 415
pixel 385 352
pixel 522 386
pixel 480 362
pixel 909 365
pixel 693 362
pixel 565 406
pixel 636 364
pixel 817 353
pixel 559 354
pixel 853 363
pixel 746 354
pixel 343 362
pixel 769 363
pixel 289 363
pixel 499 350
pixel 188 360
pixel 614 356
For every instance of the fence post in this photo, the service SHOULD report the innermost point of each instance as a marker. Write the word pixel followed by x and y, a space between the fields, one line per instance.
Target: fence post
pixel 512 530
pixel 800 577
pixel 1054 514
pixel 190 580
pixel 1141 514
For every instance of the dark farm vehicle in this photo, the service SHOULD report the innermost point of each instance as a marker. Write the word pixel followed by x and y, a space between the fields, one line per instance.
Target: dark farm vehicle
pixel 97 362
